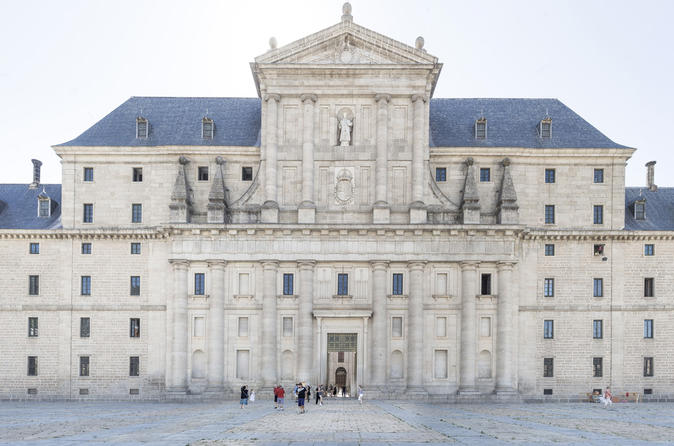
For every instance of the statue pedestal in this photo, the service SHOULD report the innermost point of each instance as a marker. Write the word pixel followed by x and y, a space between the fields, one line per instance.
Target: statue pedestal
pixel 306 213
pixel 381 213
pixel 418 214
pixel 269 213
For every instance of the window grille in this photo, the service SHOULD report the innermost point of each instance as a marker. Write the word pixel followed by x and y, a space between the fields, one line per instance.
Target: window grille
pixel 32 327
pixel 440 174
pixel 549 214
pixel 550 175
pixel 343 284
pixel 199 284
pixel 598 175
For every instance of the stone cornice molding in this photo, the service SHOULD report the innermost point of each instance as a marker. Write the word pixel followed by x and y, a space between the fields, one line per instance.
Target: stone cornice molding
pixel 382 98
pixel 419 97
pixel 216 263
pixel 274 96
pixel 84 234
pixel 308 97
pixel 306 264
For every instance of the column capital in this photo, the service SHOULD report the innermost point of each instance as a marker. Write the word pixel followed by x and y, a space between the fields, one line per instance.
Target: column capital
pixel 216 263
pixel 274 96
pixel 506 265
pixel 179 263
pixel 468 266
pixel 306 264
pixel 417 97
pixel 416 264
pixel 269 264
pixel 379 264
pixel 308 97
pixel 384 98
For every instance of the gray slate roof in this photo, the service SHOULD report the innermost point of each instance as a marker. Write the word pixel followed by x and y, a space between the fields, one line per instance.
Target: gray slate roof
pixel 511 123
pixel 659 209
pixel 177 121
pixel 18 206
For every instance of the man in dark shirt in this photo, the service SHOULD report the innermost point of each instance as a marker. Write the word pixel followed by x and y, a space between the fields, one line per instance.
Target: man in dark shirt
pixel 301 394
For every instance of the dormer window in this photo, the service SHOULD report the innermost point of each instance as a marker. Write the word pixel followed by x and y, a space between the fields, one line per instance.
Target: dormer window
pixel 545 128
pixel 640 210
pixel 481 128
pixel 207 128
pixel 141 128
pixel 44 207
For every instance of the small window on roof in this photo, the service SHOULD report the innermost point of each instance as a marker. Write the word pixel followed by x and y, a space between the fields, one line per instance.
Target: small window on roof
pixel 545 128
pixel 481 128
pixel 207 128
pixel 44 207
pixel 141 127
pixel 640 210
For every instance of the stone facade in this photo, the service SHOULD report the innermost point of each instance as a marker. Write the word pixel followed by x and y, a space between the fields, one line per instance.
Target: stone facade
pixel 252 258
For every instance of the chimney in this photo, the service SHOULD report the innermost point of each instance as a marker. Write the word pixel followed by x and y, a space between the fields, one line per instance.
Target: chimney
pixel 36 174
pixel 650 176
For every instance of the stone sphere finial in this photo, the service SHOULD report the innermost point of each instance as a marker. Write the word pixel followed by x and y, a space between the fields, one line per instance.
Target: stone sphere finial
pixel 273 43
pixel 346 12
pixel 419 43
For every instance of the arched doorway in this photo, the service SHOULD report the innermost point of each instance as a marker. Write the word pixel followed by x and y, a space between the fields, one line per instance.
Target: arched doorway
pixel 340 379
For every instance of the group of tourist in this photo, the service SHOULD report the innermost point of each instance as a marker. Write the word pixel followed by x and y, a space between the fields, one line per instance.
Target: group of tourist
pixel 302 393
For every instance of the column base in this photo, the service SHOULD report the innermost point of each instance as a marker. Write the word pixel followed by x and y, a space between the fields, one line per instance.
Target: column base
pixel 507 394
pixel 269 213
pixel 306 213
pixel 381 213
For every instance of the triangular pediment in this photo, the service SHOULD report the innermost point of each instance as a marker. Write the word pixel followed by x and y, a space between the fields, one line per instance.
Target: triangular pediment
pixel 346 44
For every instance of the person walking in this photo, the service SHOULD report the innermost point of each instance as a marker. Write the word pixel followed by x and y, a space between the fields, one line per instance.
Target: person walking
pixel 244 396
pixel 281 393
pixel 301 395
pixel 360 395
pixel 318 394
pixel 275 397
pixel 607 399
pixel 252 396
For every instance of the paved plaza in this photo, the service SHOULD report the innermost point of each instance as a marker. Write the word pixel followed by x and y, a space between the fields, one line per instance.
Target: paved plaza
pixel 337 422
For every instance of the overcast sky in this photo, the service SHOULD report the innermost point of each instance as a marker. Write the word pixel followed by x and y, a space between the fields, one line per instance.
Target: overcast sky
pixel 66 64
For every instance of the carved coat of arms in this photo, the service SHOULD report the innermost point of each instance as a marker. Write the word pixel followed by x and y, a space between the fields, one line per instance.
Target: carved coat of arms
pixel 344 187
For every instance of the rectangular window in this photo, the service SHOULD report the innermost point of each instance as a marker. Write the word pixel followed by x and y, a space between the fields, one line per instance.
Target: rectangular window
pixel 287 326
pixel 32 327
pixel 243 327
pixel 207 128
pixel 481 128
pixel 648 328
pixel 598 288
pixel 441 327
pixel 242 367
pixel 640 210
pixel 648 287
pixel 549 287
pixel 84 366
pixel 202 173
pixel 87 213
pixel 44 209
pixel 88 174
pixel 440 364
pixel 199 284
pixel 597 367
pixel 136 213
pixel 135 286
pixel 134 327
pixel 246 174
pixel 649 250
pixel 32 366
pixel 598 218
pixel 550 175
pixel 549 249
pixel 548 329
pixel 134 366
pixel 343 284
pixel 397 327
pixel 549 214
pixel 548 367
pixel 485 174
pixel 33 285
pixel 85 285
pixel 135 248
pixel 397 284
pixel 546 129
pixel 485 284
pixel 288 279
pixel 137 175
pixel 86 248
pixel 440 174
pixel 598 175
pixel 85 327
pixel 597 329
pixel 35 248
pixel 340 356
pixel 648 366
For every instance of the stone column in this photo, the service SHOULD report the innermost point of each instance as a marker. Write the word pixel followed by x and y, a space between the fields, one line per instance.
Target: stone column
pixel 379 323
pixel 269 332
pixel 270 206
pixel 216 327
pixel 381 210
pixel 505 334
pixel 468 328
pixel 179 348
pixel 415 327
pixel 307 209
pixel 305 322
pixel 417 207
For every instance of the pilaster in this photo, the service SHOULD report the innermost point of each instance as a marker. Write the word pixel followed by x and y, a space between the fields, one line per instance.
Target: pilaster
pixel 269 212
pixel 505 331
pixel 415 332
pixel 418 208
pixel 381 212
pixel 379 322
pixel 178 383
pixel 269 323
pixel 467 374
pixel 305 321
pixel 307 209
pixel 216 327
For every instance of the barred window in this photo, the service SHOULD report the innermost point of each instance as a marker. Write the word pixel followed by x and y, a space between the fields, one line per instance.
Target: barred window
pixel 199 284
pixel 86 248
pixel 32 366
pixel 87 213
pixel 135 286
pixel 134 327
pixel 440 174
pixel 550 175
pixel 549 214
pixel 548 367
pixel 134 366
pixel 597 367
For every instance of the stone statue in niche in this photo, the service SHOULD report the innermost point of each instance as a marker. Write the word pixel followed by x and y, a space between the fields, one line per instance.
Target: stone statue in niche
pixel 345 118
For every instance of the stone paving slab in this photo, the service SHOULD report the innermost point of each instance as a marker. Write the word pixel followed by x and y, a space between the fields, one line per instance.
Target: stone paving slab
pixel 338 422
